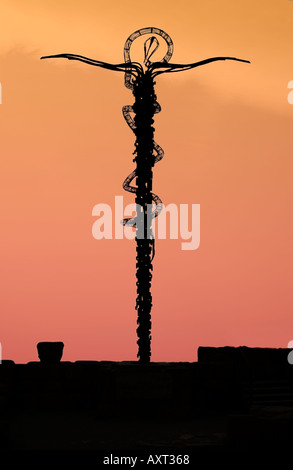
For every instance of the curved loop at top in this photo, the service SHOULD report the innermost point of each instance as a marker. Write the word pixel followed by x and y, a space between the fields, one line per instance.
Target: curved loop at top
pixel 135 35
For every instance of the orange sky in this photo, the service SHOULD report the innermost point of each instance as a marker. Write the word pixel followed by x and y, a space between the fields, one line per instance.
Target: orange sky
pixel 226 130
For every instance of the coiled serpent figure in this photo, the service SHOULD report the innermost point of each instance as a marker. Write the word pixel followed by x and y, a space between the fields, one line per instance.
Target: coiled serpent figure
pixel 150 47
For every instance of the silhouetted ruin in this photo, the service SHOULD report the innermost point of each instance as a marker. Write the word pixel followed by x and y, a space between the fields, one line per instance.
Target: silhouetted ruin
pixel 230 399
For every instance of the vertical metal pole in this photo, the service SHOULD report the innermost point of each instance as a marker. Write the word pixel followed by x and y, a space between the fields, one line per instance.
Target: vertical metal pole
pixel 144 108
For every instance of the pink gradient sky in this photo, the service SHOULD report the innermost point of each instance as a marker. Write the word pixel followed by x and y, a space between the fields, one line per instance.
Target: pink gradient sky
pixel 226 130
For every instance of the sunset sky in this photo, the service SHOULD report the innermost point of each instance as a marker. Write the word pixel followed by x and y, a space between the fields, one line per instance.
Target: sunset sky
pixel 227 132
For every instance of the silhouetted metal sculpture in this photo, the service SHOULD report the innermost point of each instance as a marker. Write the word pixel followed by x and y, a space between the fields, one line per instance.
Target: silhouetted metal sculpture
pixel 140 80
